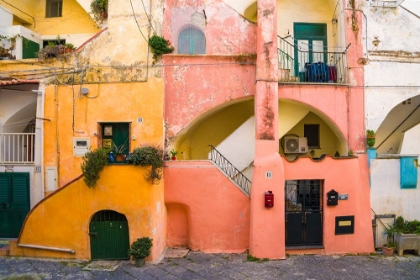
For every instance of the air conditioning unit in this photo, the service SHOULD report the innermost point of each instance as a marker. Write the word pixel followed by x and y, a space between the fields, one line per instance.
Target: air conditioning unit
pixel 295 145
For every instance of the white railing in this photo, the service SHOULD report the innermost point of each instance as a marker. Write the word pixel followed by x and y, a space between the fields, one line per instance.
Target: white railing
pixel 17 148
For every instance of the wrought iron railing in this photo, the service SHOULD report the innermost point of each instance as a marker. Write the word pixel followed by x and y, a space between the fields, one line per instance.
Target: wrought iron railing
pixel 305 65
pixel 17 148
pixel 231 171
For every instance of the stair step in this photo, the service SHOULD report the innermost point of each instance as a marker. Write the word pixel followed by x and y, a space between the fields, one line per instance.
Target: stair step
pixel 4 251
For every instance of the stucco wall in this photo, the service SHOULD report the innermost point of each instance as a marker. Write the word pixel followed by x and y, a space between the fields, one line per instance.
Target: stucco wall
pixel 74 116
pixel 196 84
pixel 386 195
pixel 346 176
pixel 225 30
pixel 213 209
pixel 57 223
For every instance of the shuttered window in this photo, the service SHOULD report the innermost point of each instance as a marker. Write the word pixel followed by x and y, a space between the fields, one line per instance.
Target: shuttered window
pixel 54 8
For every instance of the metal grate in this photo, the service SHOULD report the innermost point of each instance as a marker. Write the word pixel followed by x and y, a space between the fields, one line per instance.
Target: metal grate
pixel 231 171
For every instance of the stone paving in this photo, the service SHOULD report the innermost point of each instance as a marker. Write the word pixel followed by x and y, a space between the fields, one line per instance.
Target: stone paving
pixel 197 265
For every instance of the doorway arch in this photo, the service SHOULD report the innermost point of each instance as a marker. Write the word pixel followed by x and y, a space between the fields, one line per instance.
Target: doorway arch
pixel 109 238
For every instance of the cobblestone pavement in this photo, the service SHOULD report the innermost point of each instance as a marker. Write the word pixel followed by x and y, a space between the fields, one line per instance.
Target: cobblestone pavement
pixel 197 265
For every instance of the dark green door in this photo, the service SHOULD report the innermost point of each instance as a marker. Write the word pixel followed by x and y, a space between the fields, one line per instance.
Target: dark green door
pixel 108 232
pixel 14 203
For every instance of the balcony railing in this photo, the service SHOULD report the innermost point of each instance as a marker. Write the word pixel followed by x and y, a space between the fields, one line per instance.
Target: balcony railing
pixel 17 148
pixel 309 66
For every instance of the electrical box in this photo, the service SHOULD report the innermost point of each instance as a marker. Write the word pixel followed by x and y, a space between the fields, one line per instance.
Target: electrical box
pixel 332 198
pixel 81 145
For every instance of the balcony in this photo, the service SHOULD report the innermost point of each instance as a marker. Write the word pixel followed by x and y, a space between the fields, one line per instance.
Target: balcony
pixel 305 63
pixel 17 148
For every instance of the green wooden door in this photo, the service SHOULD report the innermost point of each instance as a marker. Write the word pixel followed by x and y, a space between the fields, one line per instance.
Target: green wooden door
pixel 108 232
pixel 14 203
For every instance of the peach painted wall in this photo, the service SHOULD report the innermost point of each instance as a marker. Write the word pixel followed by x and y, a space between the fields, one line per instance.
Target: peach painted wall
pixel 109 102
pixel 55 222
pixel 226 31
pixel 346 176
pixel 217 212
pixel 196 84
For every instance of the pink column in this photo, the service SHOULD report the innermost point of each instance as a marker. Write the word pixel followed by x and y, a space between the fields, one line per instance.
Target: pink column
pixel 267 229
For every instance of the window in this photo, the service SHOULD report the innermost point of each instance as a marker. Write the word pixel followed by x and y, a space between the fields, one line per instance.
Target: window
pixel 311 132
pixel 191 41
pixel 54 8
pixel 311 39
pixel 115 136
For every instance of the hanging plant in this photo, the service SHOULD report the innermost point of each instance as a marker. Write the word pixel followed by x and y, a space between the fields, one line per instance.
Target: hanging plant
pixel 160 46
pixel 99 9
pixel 149 156
pixel 93 163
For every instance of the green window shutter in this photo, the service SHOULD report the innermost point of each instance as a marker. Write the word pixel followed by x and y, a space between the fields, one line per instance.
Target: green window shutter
pixel 4 188
pixel 20 191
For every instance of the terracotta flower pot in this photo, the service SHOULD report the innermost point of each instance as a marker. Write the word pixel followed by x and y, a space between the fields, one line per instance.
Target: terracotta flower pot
pixel 387 251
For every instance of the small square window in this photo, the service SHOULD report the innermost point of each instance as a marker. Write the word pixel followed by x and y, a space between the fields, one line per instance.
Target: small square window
pixel 311 132
pixel 54 8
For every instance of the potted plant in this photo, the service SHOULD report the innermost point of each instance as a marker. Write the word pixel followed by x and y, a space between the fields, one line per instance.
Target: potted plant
pixel 389 247
pixel 148 156
pixel 140 249
pixel 120 151
pixel 92 165
pixel 69 47
pixel 370 138
pixel 173 154
pixel 407 235
pixel 99 9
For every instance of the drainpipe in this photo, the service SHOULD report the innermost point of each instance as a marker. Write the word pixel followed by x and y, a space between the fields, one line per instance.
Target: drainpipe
pixel 41 128
pixel 71 251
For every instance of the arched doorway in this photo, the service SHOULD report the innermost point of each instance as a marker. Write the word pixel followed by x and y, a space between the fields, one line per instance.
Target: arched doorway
pixel 109 239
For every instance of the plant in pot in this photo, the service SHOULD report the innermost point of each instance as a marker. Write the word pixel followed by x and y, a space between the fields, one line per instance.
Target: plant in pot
pixel 99 9
pixel 173 154
pixel 407 236
pixel 69 47
pixel 120 151
pixel 370 138
pixel 389 247
pixel 92 165
pixel 140 249
pixel 149 156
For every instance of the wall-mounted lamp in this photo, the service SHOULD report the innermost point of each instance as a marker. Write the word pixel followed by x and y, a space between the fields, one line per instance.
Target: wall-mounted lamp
pixel 376 42
pixel 334 21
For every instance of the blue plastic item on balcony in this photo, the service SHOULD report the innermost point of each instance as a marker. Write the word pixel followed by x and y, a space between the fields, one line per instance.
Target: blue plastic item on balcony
pixel 408 172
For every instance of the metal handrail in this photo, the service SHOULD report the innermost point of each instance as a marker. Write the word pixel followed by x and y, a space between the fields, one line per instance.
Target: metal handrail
pixel 231 171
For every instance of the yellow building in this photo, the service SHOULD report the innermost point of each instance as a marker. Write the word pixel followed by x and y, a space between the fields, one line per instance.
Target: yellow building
pixel 104 92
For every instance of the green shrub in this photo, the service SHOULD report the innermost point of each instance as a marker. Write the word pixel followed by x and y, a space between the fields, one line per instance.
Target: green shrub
pixel 92 165
pixel 140 248
pixel 149 156
pixel 159 46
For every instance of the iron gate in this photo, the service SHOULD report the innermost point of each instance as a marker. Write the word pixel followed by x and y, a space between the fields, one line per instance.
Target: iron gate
pixel 303 212
pixel 108 232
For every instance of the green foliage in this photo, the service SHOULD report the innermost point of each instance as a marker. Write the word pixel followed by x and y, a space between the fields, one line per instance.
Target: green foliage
pixel 370 133
pixel 70 46
pixel 149 156
pixel 120 148
pixel 51 44
pixel 99 9
pixel 173 152
pixel 160 46
pixel 251 258
pixel 401 226
pixel 92 165
pixel 140 248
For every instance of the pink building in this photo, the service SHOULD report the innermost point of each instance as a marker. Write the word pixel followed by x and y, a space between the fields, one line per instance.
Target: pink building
pixel 265 110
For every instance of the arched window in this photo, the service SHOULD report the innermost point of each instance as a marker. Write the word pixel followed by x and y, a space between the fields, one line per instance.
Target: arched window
pixel 191 41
